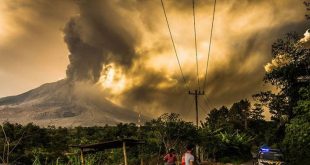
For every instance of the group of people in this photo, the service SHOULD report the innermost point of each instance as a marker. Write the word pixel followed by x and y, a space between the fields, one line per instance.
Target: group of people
pixel 187 157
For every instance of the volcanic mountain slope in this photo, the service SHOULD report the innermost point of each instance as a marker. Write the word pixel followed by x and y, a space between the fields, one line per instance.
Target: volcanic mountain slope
pixel 58 104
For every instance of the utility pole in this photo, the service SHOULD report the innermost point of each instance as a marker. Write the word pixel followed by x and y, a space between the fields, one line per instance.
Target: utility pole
pixel 139 122
pixel 196 93
pixel 139 137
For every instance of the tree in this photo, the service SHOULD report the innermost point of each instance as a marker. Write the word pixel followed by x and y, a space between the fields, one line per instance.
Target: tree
pixel 217 118
pixel 173 131
pixel 239 113
pixel 234 146
pixel 290 63
pixel 256 112
pixel 12 138
pixel 277 104
pixel 297 137
pixel 289 71
pixel 209 141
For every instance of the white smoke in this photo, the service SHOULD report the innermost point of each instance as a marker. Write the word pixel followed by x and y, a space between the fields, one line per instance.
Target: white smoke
pixel 306 37
pixel 284 59
pixel 305 41
pixel 279 61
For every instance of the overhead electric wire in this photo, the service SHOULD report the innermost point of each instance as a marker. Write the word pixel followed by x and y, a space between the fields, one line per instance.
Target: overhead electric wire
pixel 208 103
pixel 195 34
pixel 192 105
pixel 200 105
pixel 175 51
pixel 210 43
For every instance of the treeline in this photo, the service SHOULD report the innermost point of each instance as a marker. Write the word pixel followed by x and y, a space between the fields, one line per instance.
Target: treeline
pixel 31 144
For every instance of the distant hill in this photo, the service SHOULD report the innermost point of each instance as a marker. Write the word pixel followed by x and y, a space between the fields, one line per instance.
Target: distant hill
pixel 57 104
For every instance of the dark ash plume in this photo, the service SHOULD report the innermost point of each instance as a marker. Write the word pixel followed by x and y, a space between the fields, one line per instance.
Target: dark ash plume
pixel 85 60
pixel 100 35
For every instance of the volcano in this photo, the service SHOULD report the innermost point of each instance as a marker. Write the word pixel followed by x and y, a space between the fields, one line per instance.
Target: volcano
pixel 57 104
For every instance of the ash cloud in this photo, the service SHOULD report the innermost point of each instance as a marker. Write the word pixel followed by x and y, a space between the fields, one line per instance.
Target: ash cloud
pixel 133 35
pixel 85 60
pixel 101 34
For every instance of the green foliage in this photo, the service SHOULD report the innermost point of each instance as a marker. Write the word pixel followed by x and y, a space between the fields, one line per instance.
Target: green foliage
pixel 297 138
pixel 173 132
pixel 293 62
pixel 218 118
pixel 235 146
pixel 50 145
pixel 225 147
pixel 209 140
pixel 290 108
pixel 239 114
pixel 228 135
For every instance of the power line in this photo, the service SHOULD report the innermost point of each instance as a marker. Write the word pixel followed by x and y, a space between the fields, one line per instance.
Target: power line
pixel 197 70
pixel 210 42
pixel 208 103
pixel 201 107
pixel 205 103
pixel 192 105
pixel 175 51
pixel 207 107
pixel 204 114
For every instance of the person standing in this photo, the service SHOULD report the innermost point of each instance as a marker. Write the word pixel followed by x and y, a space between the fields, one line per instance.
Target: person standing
pixel 170 158
pixel 188 158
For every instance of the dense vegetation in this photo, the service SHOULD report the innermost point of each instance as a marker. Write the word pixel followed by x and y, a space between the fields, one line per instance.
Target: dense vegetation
pixel 219 139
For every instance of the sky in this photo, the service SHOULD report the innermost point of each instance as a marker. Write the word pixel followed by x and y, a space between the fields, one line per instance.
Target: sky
pixel 123 47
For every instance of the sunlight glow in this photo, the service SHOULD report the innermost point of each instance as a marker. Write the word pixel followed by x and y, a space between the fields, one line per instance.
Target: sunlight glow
pixel 113 80
pixel 2 31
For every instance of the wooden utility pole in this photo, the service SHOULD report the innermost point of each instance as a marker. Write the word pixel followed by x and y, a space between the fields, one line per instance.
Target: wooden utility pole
pixel 196 93
pixel 82 157
pixel 124 152
pixel 139 137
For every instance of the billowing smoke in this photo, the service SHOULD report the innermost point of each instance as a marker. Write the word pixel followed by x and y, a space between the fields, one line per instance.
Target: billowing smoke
pixel 85 60
pixel 305 40
pixel 278 61
pixel 133 36
pixel 306 37
pixel 96 38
